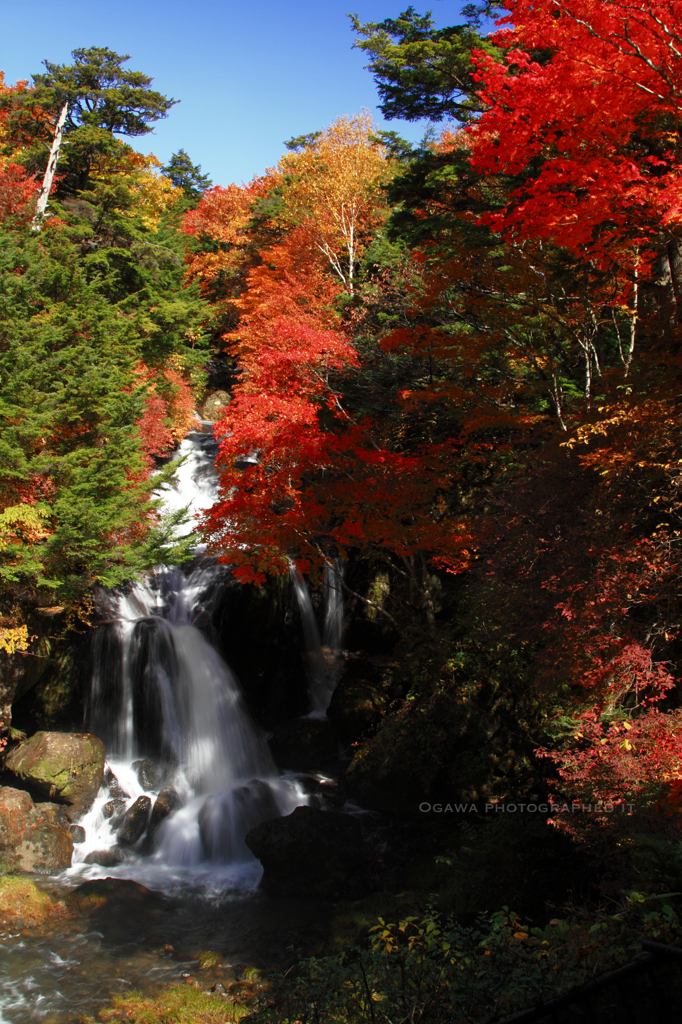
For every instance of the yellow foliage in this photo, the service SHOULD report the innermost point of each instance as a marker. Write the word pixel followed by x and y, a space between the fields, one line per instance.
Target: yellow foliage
pixel 154 195
pixel 22 524
pixel 336 190
pixel 14 639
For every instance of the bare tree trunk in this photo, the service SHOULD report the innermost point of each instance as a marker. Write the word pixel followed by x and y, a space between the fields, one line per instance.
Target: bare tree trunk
pixel 41 205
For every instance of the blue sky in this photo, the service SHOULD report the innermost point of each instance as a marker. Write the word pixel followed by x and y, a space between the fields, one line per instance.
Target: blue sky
pixel 248 74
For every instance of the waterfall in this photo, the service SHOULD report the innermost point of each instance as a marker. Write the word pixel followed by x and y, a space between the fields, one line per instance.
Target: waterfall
pixel 333 603
pixel 318 688
pixel 322 661
pixel 173 720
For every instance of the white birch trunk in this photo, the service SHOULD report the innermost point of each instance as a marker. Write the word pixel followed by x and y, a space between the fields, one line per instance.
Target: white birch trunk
pixel 41 205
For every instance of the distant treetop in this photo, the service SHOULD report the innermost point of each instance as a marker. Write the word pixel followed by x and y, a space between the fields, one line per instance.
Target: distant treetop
pixel 186 175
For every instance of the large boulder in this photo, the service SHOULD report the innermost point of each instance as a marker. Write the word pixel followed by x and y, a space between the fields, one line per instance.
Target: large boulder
pixel 215 405
pixel 311 853
pixel 124 911
pixel 68 767
pixel 33 837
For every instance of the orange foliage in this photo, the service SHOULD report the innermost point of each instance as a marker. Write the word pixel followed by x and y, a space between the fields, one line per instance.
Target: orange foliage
pixel 224 216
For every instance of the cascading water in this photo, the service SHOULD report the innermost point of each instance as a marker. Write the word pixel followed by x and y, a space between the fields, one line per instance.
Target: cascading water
pixel 195 485
pixel 323 665
pixel 333 620
pixel 333 603
pixel 160 691
pixel 318 684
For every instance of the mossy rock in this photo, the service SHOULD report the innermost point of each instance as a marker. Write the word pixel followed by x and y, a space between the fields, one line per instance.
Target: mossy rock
pixel 23 905
pixel 121 894
pixel 208 960
pixel 68 767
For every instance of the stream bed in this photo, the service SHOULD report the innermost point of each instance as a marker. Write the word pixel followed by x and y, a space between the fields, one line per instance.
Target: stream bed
pixel 56 975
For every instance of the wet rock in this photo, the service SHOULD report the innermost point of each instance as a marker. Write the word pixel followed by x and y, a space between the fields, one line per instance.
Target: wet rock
pixel 105 858
pixel 311 853
pixel 32 838
pixel 323 793
pixel 116 791
pixel 112 808
pixel 135 821
pixel 77 833
pixel 118 905
pixel 149 775
pixel 166 802
pixel 67 767
pixel 304 743
pixel 23 905
pixel 225 818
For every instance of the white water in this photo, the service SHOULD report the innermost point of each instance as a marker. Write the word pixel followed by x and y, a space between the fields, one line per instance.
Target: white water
pixel 322 660
pixel 195 485
pixel 333 621
pixel 318 684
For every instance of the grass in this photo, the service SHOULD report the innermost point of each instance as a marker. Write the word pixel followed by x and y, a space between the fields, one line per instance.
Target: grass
pixel 180 1004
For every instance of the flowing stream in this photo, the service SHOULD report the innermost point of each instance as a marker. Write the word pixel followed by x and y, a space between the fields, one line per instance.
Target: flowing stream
pixel 183 751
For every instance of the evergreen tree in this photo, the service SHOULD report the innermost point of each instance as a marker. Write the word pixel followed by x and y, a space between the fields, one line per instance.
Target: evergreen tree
pixel 186 175
pixel 101 93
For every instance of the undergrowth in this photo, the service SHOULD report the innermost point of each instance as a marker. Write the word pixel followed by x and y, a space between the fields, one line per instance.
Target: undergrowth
pixel 430 969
